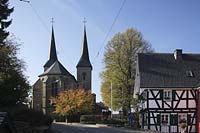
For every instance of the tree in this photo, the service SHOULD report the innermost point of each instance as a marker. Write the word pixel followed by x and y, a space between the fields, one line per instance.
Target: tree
pixel 5 12
pixel 14 86
pixel 72 102
pixel 119 72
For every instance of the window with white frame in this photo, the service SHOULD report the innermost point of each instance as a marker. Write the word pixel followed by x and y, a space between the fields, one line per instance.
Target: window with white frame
pixel 167 94
pixel 164 119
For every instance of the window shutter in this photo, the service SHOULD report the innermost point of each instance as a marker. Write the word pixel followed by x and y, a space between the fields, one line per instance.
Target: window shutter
pixel 171 119
pixel 176 119
pixel 161 94
pixel 173 95
pixel 158 119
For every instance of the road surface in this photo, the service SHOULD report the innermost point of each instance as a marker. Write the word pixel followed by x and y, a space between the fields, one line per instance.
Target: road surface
pixel 86 128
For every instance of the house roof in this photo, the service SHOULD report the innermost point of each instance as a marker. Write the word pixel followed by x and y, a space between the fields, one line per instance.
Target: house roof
pixel 101 105
pixel 84 60
pixel 56 69
pixel 162 70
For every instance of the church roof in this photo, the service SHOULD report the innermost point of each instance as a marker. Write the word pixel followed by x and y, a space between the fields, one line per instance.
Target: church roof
pixel 53 66
pixel 52 51
pixel 56 69
pixel 84 60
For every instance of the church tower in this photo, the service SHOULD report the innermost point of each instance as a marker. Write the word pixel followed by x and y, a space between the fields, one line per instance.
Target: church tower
pixel 84 67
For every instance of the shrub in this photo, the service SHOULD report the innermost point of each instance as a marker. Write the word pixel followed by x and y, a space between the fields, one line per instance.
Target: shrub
pixel 73 118
pixel 33 117
pixel 114 122
pixel 88 119
pixel 59 118
pixel 182 123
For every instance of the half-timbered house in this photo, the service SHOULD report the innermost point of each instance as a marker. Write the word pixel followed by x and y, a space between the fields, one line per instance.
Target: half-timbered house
pixel 166 85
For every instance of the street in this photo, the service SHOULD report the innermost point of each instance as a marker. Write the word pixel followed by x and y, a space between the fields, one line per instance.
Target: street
pixel 86 128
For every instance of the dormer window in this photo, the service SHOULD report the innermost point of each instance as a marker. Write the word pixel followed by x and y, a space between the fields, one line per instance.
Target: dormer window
pixel 189 73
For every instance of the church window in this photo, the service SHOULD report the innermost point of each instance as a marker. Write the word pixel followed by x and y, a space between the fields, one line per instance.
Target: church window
pixel 84 76
pixel 54 89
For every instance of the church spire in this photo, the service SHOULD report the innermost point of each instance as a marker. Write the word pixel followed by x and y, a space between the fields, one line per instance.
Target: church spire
pixel 84 67
pixel 52 52
pixel 84 60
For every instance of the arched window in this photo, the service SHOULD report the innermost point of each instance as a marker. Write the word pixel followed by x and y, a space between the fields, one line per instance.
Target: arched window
pixel 84 76
pixel 54 90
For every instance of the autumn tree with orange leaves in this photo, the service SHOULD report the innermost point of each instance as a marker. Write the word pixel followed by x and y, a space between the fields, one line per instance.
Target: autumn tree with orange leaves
pixel 72 102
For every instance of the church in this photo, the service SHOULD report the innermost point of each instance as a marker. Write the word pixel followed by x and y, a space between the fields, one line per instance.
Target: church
pixel 56 78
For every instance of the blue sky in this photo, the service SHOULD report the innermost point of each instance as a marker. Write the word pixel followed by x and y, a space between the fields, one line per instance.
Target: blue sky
pixel 165 24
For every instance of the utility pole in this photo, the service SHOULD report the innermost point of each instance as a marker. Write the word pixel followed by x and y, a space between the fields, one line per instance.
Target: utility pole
pixel 111 98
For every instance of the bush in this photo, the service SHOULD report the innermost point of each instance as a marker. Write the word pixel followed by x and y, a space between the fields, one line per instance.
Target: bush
pixel 117 122
pixel 88 119
pixel 33 117
pixel 73 118
pixel 59 118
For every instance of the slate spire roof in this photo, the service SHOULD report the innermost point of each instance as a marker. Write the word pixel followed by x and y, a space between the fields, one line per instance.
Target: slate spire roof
pixel 84 60
pixel 53 66
pixel 52 51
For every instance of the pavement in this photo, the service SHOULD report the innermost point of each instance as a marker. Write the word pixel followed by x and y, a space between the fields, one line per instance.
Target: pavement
pixel 61 127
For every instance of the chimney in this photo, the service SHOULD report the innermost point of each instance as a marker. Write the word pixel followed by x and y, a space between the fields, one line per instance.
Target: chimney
pixel 178 54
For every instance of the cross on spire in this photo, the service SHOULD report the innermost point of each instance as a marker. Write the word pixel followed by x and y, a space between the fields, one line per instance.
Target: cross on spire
pixel 52 21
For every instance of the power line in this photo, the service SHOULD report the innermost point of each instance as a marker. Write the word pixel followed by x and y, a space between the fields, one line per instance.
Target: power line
pixel 37 14
pixel 27 1
pixel 114 21
pixel 44 24
pixel 40 19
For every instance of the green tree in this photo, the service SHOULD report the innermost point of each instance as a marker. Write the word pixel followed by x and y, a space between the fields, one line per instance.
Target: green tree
pixel 14 86
pixel 13 83
pixel 5 12
pixel 119 72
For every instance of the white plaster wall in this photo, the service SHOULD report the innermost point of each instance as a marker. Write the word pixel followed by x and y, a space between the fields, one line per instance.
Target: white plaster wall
pixel 168 103
pixel 165 128
pixel 192 104
pixel 153 128
pixel 152 104
pixel 182 103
